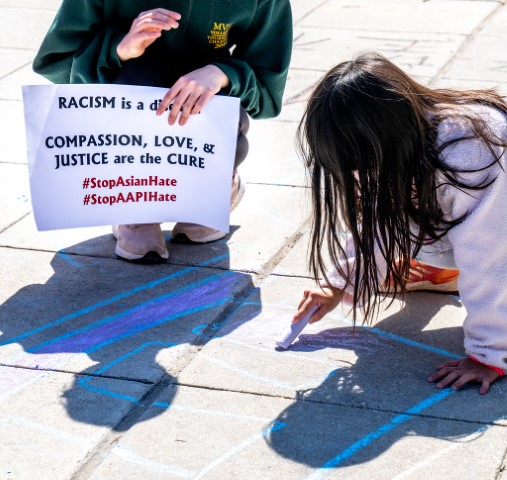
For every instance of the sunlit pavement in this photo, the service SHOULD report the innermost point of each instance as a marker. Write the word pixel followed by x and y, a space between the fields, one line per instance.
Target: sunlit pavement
pixel 110 370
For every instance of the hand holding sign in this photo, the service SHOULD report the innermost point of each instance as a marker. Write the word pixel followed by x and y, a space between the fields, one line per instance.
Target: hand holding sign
pixel 192 91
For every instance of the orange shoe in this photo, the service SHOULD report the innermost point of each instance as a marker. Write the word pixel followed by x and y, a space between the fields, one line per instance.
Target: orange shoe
pixel 428 278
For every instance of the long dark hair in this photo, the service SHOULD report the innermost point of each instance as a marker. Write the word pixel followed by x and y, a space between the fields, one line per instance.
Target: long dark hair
pixel 368 138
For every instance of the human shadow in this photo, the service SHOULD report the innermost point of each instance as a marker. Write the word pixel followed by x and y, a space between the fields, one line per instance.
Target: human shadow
pixel 123 331
pixel 382 395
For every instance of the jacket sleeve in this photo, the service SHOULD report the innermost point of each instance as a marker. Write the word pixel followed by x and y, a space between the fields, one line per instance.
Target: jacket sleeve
pixel 258 68
pixel 349 265
pixel 79 47
pixel 480 250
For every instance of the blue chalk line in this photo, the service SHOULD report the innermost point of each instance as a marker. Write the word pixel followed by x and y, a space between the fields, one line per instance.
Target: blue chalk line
pixel 380 432
pixel 111 300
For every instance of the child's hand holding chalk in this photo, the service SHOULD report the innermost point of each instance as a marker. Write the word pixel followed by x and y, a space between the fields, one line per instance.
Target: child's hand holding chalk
pixel 314 305
pixel 295 329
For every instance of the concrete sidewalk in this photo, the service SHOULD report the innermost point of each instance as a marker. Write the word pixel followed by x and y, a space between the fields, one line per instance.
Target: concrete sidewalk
pixel 116 371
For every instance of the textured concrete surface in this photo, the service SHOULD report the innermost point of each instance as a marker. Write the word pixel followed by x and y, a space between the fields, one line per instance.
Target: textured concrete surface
pixel 116 371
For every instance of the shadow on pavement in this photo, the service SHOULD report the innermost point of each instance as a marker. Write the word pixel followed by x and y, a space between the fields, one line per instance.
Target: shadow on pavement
pixel 364 408
pixel 119 328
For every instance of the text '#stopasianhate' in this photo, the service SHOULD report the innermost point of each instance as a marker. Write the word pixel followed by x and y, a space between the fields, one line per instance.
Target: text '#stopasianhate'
pixel 152 181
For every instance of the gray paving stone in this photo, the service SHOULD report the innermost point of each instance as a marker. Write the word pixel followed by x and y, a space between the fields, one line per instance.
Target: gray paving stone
pixel 295 263
pixel 13 60
pixel 481 61
pixel 12 133
pixel 272 158
pixel 497 23
pixel 300 84
pixel 463 84
pixel 14 194
pixel 202 434
pixel 33 4
pixel 456 17
pixel 92 241
pixel 41 438
pixel 302 8
pixel 214 434
pixel 35 23
pixel 420 54
pixel 10 85
pixel 404 446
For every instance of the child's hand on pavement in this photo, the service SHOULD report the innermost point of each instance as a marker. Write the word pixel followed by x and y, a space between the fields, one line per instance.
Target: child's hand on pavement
pixel 145 29
pixel 192 91
pixel 457 373
pixel 326 299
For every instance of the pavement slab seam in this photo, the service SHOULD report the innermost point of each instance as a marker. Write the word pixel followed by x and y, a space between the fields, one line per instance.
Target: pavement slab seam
pixel 31 7
pixel 466 42
pixel 502 422
pixel 285 275
pixel 278 256
pixel 79 374
pixel 309 12
pixel 100 451
pixel 377 30
pixel 11 225
pixel 16 70
pixel 502 468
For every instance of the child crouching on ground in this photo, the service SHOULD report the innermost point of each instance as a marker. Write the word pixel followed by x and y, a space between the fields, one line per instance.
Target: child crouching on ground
pixel 414 179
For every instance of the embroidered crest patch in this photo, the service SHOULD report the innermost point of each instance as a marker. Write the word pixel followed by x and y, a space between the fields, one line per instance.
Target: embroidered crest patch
pixel 219 34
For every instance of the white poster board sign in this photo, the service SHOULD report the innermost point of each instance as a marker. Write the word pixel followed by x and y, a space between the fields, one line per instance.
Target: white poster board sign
pixel 99 155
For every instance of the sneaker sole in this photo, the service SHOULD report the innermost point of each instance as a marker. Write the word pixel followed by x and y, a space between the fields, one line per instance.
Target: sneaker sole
pixel 149 257
pixel 432 287
pixel 183 238
pixel 426 286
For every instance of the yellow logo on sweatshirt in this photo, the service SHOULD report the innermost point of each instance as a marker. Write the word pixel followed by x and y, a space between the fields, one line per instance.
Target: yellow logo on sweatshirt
pixel 219 34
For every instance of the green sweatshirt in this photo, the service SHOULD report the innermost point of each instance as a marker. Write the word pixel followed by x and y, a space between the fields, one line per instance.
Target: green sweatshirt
pixel 80 46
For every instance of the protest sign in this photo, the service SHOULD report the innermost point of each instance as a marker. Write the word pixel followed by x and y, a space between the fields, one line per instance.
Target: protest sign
pixel 99 155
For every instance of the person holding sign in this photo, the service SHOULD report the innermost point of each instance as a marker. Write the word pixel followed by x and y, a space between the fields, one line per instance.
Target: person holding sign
pixel 398 171
pixel 198 49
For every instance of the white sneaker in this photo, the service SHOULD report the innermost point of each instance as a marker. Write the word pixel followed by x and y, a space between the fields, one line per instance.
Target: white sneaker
pixel 193 233
pixel 144 241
